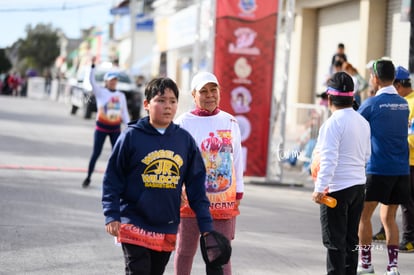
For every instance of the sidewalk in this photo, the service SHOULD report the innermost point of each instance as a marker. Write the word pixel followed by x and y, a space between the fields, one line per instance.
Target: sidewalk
pixel 292 176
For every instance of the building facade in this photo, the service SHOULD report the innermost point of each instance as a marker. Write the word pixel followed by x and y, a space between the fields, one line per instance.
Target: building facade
pixel 369 29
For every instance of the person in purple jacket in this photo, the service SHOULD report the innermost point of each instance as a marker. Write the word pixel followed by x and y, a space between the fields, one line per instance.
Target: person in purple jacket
pixel 151 161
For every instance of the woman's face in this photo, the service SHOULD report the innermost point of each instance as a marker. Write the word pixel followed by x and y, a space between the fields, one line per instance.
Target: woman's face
pixel 208 97
pixel 111 84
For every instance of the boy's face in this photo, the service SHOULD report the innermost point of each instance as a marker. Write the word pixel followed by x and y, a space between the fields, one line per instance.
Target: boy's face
pixel 162 108
pixel 208 97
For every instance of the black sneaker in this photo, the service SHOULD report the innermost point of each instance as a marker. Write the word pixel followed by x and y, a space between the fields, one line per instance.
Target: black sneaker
pixel 86 183
pixel 406 247
pixel 379 237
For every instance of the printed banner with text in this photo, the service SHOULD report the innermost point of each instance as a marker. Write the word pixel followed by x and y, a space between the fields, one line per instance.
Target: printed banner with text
pixel 243 62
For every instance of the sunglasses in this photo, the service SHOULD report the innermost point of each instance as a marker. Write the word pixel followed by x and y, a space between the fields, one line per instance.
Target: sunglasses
pixel 374 67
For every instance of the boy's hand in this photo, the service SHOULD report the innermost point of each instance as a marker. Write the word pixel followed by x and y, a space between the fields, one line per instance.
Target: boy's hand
pixel 113 228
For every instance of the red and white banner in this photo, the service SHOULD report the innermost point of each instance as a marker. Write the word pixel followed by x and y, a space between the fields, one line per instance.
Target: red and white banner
pixel 243 62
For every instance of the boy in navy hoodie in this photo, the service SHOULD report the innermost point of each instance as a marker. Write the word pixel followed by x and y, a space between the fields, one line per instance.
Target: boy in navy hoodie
pixel 142 185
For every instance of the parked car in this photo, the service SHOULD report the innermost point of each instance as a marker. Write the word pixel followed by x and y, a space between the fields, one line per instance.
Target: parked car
pixel 83 98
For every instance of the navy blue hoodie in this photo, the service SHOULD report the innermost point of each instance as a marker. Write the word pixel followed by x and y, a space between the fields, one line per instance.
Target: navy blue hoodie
pixel 144 178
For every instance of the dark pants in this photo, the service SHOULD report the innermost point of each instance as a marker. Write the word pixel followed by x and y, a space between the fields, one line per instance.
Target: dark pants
pixel 214 270
pixel 340 230
pixel 98 142
pixel 407 210
pixel 143 261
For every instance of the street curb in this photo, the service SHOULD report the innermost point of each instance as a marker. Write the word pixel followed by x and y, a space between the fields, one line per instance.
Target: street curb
pixel 47 168
pixel 267 182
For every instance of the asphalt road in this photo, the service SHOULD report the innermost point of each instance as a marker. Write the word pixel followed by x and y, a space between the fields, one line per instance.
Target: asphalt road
pixel 50 225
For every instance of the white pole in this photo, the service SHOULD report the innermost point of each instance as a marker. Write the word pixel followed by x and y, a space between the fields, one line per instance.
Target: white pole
pixel 135 7
pixel 132 13
pixel 197 44
pixel 274 105
pixel 211 37
pixel 290 17
pixel 287 11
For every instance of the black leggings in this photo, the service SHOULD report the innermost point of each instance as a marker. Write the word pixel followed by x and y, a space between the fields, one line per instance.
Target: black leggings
pixel 143 261
pixel 98 143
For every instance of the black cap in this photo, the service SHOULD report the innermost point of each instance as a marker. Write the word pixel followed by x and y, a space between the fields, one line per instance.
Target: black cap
pixel 341 82
pixel 215 249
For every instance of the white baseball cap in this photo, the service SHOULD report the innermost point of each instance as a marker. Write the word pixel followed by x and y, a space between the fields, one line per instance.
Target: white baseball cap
pixel 110 75
pixel 201 79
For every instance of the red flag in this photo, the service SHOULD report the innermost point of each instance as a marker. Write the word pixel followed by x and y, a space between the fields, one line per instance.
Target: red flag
pixel 244 63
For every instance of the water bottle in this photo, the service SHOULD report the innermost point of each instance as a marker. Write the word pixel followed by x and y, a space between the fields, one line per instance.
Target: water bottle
pixel 329 201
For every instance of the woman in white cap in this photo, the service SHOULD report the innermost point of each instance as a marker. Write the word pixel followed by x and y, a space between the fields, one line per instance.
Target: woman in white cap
pixel 217 134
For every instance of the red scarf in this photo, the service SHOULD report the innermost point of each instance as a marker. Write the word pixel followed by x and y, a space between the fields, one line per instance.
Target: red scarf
pixel 201 112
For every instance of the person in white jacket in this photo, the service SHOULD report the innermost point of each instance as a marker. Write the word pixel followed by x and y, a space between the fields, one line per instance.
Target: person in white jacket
pixel 344 147
pixel 112 111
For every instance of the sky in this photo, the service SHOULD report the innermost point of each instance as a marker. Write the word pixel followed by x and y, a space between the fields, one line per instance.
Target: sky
pixel 69 15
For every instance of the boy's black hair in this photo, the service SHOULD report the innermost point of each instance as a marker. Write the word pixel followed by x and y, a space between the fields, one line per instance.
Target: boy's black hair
pixel 158 85
pixel 384 70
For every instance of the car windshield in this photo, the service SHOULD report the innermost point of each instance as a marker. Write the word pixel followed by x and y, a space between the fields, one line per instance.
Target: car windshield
pixel 122 77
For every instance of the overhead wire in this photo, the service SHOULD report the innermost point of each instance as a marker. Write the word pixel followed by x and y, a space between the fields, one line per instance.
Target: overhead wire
pixel 64 7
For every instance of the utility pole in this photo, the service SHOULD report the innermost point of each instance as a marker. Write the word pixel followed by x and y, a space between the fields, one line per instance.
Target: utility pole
pixel 135 7
pixel 286 12
pixel 197 43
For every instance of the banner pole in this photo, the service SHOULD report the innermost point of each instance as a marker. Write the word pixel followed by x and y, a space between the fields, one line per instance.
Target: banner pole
pixel 274 104
pixel 286 11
